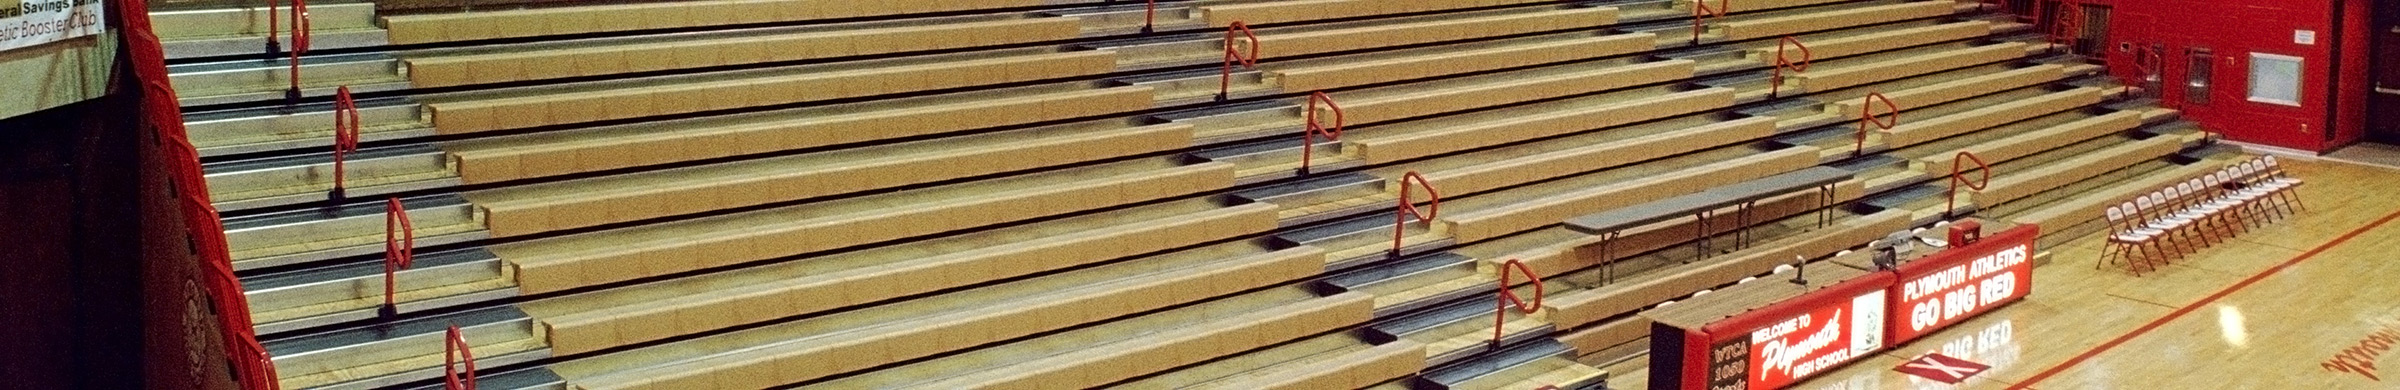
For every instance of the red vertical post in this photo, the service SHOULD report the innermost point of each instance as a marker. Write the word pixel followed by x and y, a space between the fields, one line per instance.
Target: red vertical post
pixel 399 251
pixel 454 355
pixel 1783 60
pixel 346 127
pixel 1507 297
pixel 1407 208
pixel 1866 115
pixel 1233 56
pixel 1957 176
pixel 1308 136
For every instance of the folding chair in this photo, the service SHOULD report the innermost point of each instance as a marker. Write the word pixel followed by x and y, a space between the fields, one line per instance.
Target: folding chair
pixel 2129 239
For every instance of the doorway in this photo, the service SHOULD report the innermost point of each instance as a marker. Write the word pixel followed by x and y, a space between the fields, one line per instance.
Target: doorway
pixel 2383 100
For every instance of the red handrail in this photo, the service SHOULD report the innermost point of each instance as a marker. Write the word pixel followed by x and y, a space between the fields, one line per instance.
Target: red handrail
pixel 1150 18
pixel 2147 62
pixel 454 353
pixel 1308 137
pixel 203 229
pixel 1507 297
pixel 1407 208
pixel 399 248
pixel 1701 10
pixel 1957 176
pixel 300 37
pixel 1225 83
pixel 1784 61
pixel 1866 115
pixel 346 126
pixel 2070 14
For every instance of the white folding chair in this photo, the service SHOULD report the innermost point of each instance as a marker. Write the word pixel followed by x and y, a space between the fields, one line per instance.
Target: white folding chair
pixel 2129 239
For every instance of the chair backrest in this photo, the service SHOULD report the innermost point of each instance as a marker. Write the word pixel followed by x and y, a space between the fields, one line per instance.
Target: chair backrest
pixel 2142 203
pixel 2269 160
pixel 2116 212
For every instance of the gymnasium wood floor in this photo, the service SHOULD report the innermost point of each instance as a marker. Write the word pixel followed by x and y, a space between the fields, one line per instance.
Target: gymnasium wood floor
pixel 2277 308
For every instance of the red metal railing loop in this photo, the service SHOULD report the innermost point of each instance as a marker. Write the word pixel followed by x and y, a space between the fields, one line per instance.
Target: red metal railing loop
pixel 1957 175
pixel 1866 116
pixel 1408 208
pixel 455 354
pixel 399 249
pixel 1701 11
pixel 300 45
pixel 1308 138
pixel 2067 26
pixel 1150 18
pixel 1783 60
pixel 1235 56
pixel 346 127
pixel 1508 297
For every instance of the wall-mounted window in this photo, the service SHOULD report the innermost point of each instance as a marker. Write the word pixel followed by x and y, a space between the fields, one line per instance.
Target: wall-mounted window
pixel 2275 79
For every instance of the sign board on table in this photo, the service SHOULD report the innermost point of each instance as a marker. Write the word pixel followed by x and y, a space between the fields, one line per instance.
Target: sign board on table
pixel 1956 284
pixel 25 23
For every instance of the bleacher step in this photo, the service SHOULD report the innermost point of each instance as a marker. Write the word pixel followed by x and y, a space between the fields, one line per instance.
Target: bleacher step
pixel 348 358
pixel 315 297
pixel 356 229
pixel 306 126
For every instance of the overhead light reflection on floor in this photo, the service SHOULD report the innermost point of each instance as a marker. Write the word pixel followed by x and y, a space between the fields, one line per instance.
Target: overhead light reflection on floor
pixel 2230 320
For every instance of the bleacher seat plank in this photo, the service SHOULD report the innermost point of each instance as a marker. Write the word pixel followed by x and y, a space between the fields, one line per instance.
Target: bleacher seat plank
pixel 2054 137
pixel 1851 45
pixel 2092 206
pixel 1597 338
pixel 1753 5
pixel 625 103
pixel 1863 74
pixel 860 339
pixel 1119 350
pixel 1579 308
pixel 1392 103
pixel 1961 89
pixel 1269 12
pixel 446 71
pixel 1776 26
pixel 535 208
pixel 1476 225
pixel 670 308
pixel 658 249
pixel 1419 139
pixel 1525 169
pixel 2008 186
pixel 1927 130
pixel 1347 368
pixel 491 160
pixel 1449 28
pixel 1317 75
pixel 480 25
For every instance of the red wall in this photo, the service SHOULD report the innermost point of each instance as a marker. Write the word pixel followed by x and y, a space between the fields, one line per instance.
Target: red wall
pixel 2232 29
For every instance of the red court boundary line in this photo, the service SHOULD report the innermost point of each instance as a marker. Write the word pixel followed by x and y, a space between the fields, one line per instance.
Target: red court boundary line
pixel 2212 298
